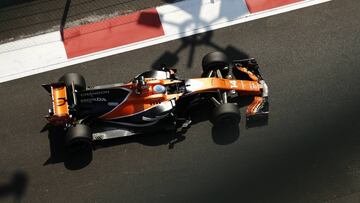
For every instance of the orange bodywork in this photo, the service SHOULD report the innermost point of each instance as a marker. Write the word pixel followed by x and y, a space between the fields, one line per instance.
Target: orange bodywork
pixel 148 98
pixel 139 102
pixel 252 108
pixel 244 87
pixel 249 73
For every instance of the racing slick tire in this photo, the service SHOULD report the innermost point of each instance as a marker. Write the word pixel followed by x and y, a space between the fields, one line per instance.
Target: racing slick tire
pixel 69 78
pixel 215 60
pixel 78 138
pixel 225 114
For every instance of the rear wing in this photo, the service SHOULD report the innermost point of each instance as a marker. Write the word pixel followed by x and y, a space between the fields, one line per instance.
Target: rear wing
pixel 59 111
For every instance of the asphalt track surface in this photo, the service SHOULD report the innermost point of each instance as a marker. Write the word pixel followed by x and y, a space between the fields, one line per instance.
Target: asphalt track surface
pixel 308 152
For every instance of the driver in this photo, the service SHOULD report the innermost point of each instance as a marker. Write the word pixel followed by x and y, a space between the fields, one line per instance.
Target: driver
pixel 140 84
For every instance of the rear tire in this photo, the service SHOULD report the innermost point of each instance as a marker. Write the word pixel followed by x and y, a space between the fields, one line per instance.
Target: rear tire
pixel 226 114
pixel 69 78
pixel 79 84
pixel 78 138
pixel 214 61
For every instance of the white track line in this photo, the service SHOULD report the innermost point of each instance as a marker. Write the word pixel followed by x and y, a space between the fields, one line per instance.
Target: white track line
pixel 185 18
pixel 46 52
pixel 30 56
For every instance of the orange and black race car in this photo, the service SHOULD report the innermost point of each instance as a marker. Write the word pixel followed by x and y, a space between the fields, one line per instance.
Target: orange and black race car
pixel 156 100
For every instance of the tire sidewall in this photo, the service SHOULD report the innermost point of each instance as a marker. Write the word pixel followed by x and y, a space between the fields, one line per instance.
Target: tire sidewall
pixel 226 114
pixel 78 137
pixel 69 78
pixel 214 61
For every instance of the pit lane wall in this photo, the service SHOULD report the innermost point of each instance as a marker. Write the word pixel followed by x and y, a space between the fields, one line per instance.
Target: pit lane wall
pixel 129 32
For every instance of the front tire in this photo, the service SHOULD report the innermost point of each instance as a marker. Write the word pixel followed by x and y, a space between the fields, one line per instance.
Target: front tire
pixel 226 114
pixel 215 61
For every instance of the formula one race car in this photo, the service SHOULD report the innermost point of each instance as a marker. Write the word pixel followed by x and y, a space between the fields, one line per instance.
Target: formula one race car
pixel 155 100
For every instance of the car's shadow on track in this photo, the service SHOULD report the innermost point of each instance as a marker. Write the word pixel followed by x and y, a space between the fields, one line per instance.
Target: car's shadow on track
pixel 58 152
pixel 221 135
pixel 80 159
pixel 191 43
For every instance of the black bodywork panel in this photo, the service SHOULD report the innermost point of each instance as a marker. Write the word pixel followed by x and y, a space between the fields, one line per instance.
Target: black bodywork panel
pixel 97 102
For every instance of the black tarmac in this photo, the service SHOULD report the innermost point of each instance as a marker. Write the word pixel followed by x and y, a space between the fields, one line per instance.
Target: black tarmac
pixel 308 152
